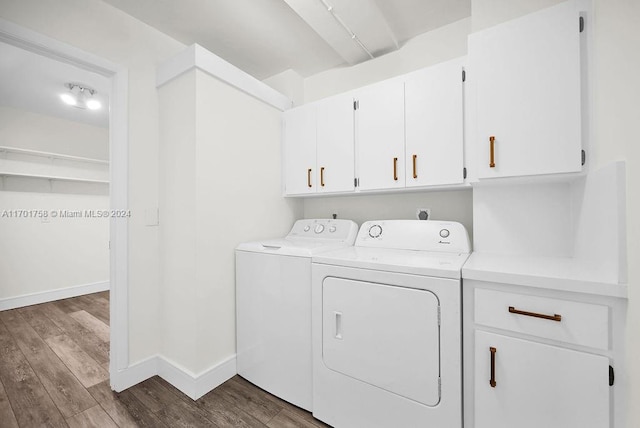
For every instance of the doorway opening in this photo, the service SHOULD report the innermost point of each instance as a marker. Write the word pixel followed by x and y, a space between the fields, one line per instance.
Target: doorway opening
pixel 80 173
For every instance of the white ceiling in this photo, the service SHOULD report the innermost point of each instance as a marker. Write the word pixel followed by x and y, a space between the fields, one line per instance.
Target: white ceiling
pixel 266 37
pixel 33 82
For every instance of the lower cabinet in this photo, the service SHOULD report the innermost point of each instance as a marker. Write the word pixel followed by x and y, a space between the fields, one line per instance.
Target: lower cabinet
pixel 521 383
pixel 536 357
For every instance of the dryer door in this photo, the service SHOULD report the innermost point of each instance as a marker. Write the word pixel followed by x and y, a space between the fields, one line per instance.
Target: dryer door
pixel 384 335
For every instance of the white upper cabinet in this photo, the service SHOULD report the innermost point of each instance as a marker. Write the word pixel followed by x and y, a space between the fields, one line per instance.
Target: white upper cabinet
pixel 335 144
pixel 318 147
pixel 527 79
pixel 299 150
pixel 434 125
pixel 380 135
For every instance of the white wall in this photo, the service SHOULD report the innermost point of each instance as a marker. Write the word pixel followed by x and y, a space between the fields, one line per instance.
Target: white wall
pixel 444 205
pixel 38 257
pixel 239 199
pixel 100 29
pixel 34 131
pixel 485 13
pixel 290 84
pixel 178 228
pixel 616 88
pixel 221 163
pixel 524 220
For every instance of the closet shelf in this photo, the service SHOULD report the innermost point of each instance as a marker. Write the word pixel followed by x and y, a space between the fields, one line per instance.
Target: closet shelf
pixel 63 169
pixel 53 177
pixel 4 149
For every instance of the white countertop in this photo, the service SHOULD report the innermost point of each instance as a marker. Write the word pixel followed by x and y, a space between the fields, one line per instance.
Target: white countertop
pixel 555 273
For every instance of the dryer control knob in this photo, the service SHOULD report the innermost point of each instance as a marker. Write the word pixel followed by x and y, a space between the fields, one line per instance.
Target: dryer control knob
pixel 319 228
pixel 375 231
pixel 444 233
pixel 332 229
pixel 307 228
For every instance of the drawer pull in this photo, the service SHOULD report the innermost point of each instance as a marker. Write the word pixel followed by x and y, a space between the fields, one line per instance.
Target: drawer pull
pixel 554 317
pixel 415 170
pixel 492 381
pixel 492 162
pixel 395 169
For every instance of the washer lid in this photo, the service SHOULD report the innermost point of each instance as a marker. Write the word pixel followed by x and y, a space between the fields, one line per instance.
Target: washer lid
pixel 291 247
pixel 427 263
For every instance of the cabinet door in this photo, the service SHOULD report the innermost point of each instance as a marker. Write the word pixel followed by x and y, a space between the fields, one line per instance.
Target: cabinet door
pixel 538 385
pixel 335 144
pixel 527 76
pixel 300 150
pixel 434 126
pixel 380 136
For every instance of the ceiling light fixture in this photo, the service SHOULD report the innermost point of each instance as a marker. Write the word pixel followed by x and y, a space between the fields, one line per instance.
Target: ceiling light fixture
pixel 81 97
pixel 346 27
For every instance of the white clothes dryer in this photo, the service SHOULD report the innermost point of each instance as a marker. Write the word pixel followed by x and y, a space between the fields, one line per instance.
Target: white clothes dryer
pixel 273 306
pixel 387 327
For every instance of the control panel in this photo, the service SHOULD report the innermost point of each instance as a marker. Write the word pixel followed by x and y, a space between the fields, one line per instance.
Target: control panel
pixel 335 229
pixel 442 236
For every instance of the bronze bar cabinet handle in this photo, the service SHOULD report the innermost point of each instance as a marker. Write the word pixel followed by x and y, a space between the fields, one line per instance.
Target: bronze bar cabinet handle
pixel 415 171
pixel 492 381
pixel 492 160
pixel 554 317
pixel 395 169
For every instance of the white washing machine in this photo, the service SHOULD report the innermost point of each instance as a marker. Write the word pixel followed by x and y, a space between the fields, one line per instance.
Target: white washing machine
pixel 273 306
pixel 387 327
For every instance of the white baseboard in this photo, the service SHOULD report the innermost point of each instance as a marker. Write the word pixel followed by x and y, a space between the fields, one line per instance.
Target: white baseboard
pixel 141 371
pixel 197 385
pixel 215 376
pixel 193 385
pixel 52 295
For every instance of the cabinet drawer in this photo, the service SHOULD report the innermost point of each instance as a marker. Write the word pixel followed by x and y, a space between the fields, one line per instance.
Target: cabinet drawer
pixel 578 323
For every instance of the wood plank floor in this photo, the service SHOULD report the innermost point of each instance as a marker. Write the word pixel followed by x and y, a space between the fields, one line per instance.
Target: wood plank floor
pixel 52 373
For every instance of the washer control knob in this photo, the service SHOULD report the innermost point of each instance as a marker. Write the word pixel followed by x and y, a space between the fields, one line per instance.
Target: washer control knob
pixel 332 229
pixel 307 228
pixel 444 233
pixel 375 231
pixel 319 228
